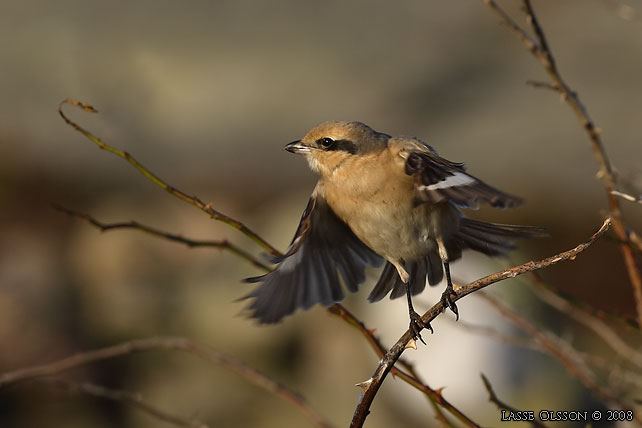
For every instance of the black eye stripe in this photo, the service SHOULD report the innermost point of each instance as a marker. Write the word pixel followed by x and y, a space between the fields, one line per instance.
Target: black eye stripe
pixel 333 145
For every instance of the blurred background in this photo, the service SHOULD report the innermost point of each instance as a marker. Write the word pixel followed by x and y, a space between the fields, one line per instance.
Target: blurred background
pixel 206 94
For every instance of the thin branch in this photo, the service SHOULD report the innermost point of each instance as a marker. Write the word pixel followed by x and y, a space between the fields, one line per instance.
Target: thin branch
pixel 337 309
pixel 585 307
pixel 124 397
pixel 605 364
pixel 372 385
pixel 222 244
pixel 637 199
pixel 410 376
pixel 193 200
pixel 598 326
pixel 542 52
pixel 506 20
pixel 493 333
pixel 565 355
pixel 635 240
pixel 616 374
pixel 166 343
pixel 542 85
pixel 493 398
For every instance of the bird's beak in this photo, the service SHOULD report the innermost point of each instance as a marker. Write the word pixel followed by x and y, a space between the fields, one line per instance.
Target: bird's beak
pixel 297 147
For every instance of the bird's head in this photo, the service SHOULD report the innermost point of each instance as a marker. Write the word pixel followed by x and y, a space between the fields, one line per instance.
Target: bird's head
pixel 329 145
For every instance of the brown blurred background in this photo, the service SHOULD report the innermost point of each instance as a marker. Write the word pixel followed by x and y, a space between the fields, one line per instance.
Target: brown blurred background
pixel 206 94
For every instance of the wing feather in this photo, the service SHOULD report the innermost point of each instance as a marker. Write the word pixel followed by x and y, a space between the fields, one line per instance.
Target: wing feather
pixel 323 253
pixel 440 180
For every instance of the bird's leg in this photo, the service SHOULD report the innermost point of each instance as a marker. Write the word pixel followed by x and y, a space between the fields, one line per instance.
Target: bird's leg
pixel 449 294
pixel 416 323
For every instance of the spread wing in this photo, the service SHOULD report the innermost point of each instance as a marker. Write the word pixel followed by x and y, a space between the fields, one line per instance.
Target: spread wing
pixel 438 180
pixel 323 249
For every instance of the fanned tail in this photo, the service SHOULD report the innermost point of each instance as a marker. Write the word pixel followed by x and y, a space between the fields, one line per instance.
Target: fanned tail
pixel 489 238
pixel 429 267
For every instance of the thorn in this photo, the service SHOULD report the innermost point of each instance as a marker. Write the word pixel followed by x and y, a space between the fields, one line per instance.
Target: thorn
pixel 364 385
pixel 412 344
pixel 371 331
pixel 600 174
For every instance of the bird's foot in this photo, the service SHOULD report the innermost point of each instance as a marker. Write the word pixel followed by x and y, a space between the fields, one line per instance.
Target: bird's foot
pixel 416 325
pixel 447 299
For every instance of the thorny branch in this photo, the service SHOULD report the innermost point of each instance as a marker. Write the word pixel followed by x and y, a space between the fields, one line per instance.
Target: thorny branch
pixel 165 343
pixel 371 386
pixel 410 376
pixel 129 398
pixel 223 244
pixel 493 398
pixel 193 200
pixel 598 326
pixel 539 47
pixel 570 360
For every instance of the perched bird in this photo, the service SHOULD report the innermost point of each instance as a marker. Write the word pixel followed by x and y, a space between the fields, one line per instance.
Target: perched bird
pixel 380 197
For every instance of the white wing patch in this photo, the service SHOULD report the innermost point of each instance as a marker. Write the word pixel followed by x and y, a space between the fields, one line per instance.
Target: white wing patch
pixel 457 179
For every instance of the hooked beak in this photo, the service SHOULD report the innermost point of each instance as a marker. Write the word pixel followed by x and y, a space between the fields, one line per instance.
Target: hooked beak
pixel 297 147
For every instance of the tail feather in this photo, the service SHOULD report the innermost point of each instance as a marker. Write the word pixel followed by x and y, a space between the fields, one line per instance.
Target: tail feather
pixel 488 238
pixel 491 238
pixel 428 268
pixel 385 283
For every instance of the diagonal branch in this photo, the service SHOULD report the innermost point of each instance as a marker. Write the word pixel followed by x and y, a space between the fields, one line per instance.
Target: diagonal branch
pixel 372 385
pixel 540 49
pixel 567 357
pixel 493 398
pixel 410 376
pixel 193 200
pixel 173 344
pixel 134 400
pixel 597 325
pixel 223 244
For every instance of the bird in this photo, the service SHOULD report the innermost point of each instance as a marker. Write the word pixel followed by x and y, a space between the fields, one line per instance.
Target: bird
pixel 380 199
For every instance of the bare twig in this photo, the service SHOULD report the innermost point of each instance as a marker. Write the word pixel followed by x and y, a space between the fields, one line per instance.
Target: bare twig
pixel 223 244
pixel 540 49
pixel 337 309
pixel 628 197
pixel 166 343
pixel 522 342
pixel 598 326
pixel 410 376
pixel 371 386
pixel 492 397
pixel 606 364
pixel 570 360
pixel 542 85
pixel 193 200
pixel 637 241
pixel 129 398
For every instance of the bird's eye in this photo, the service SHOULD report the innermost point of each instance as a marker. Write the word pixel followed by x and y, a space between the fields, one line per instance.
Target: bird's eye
pixel 326 142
